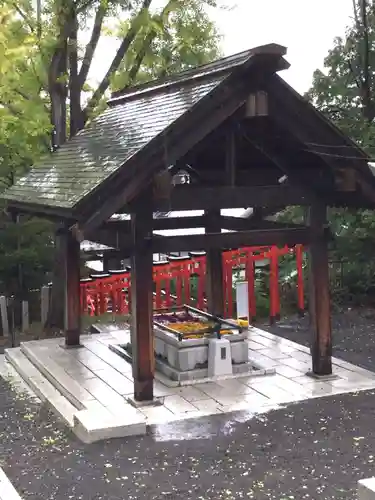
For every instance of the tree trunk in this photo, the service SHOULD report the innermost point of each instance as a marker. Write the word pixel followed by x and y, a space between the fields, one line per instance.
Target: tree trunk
pixel 76 114
pixel 58 94
pixel 64 52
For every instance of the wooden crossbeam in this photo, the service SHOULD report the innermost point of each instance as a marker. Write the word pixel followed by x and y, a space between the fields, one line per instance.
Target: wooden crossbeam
pixel 165 244
pixel 244 224
pixel 269 234
pixel 209 198
pixel 164 223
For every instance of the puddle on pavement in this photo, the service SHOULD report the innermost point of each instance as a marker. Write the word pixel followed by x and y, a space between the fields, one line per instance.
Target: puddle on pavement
pixel 206 427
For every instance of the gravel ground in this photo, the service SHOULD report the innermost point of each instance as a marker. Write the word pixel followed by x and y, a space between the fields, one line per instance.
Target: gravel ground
pixel 317 449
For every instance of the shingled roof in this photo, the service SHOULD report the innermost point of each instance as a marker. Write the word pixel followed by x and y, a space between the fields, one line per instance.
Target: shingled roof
pixel 151 126
pixel 73 171
pixel 67 178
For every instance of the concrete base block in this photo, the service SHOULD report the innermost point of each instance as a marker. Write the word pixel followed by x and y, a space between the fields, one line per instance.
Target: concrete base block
pixel 321 378
pixel 160 347
pixel 366 489
pixel 145 404
pixel 219 357
pixel 91 426
pixel 239 352
pixel 71 347
pixel 188 358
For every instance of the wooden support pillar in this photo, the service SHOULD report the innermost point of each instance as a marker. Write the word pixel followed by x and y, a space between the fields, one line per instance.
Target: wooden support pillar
pixel 214 268
pixel 319 297
pixel 72 312
pixel 142 338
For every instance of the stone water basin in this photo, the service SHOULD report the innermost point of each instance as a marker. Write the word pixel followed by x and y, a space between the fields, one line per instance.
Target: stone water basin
pixel 185 348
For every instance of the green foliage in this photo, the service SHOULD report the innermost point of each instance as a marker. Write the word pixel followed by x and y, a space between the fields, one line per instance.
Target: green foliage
pixel 345 93
pixel 26 256
pixel 345 90
pixel 179 36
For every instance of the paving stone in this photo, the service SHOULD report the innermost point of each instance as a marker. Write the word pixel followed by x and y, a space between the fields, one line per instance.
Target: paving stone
pixel 157 414
pixel 191 394
pixel 267 342
pixel 103 353
pixel 273 353
pixel 255 346
pixel 91 426
pixel 177 404
pixel 273 392
pixel 232 386
pixel 102 392
pixel 295 363
pixel 119 383
pixel 58 377
pixel 208 405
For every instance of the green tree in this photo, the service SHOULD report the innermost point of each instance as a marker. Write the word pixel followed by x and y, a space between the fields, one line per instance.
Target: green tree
pixel 188 39
pixel 25 247
pixel 345 90
pixel 45 89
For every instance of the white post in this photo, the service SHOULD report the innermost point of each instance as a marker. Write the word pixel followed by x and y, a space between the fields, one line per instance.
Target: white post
pixel 25 316
pixel 4 316
pixel 242 301
pixel 44 304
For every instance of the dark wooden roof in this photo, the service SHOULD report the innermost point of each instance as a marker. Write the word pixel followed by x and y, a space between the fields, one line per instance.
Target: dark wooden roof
pixel 150 127
pixel 134 122
pixel 74 172
pixel 71 173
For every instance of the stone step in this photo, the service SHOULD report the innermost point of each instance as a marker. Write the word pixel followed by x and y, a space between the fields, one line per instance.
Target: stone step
pixel 90 425
pixel 56 375
pixel 366 489
pixel 40 385
pixel 7 490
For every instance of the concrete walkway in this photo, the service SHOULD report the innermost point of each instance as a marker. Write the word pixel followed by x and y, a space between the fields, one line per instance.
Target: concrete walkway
pixel 89 387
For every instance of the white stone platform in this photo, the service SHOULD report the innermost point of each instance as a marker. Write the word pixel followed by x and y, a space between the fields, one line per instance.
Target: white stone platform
pixel 88 387
pixel 7 490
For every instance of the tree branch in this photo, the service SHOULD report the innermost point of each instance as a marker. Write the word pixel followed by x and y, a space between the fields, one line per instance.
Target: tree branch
pixel 91 46
pixel 365 84
pixel 75 115
pixel 125 44
pixel 146 45
pixel 355 13
pixel 24 16
pixel 84 6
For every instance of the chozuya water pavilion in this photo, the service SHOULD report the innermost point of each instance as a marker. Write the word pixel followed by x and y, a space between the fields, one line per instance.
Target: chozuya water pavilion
pixel 250 141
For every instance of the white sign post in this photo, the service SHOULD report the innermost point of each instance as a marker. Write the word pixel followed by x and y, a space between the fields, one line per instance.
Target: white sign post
pixel 242 300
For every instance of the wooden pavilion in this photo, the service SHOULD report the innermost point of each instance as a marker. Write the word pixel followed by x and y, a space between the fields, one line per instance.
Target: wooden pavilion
pixel 248 140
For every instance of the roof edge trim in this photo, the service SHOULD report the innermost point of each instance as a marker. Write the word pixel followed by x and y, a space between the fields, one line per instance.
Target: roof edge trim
pixel 197 73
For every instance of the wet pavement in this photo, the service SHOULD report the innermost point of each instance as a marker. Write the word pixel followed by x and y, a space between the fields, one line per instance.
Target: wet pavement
pixel 353 334
pixel 316 449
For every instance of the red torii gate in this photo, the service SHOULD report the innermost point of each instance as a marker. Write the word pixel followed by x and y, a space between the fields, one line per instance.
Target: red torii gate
pixel 114 288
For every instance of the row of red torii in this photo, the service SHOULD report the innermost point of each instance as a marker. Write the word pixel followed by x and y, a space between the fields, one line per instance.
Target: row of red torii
pixel 111 292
